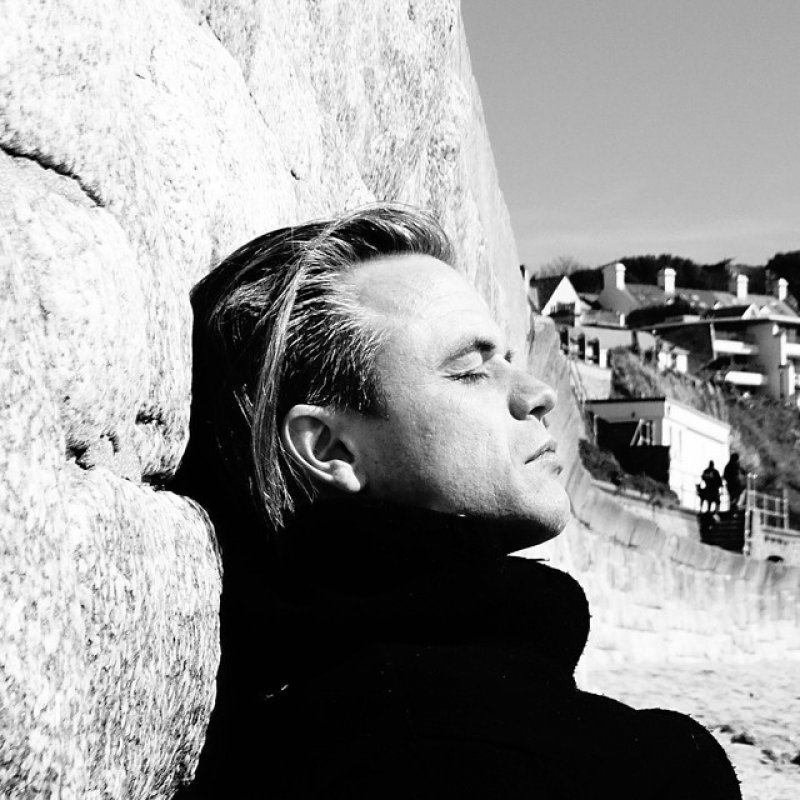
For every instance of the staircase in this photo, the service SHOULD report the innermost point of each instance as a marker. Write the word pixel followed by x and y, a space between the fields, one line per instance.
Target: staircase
pixel 725 530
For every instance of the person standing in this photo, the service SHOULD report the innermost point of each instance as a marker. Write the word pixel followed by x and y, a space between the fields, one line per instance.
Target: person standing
pixel 713 483
pixel 734 480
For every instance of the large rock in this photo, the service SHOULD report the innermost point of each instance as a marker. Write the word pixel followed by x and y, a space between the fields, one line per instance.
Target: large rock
pixel 141 142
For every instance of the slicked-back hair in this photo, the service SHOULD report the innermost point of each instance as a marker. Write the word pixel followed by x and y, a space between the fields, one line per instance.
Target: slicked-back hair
pixel 276 325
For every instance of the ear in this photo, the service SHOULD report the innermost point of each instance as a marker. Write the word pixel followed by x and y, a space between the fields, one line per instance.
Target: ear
pixel 316 438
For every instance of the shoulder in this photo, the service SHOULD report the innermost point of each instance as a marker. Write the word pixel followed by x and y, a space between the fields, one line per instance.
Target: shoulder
pixel 653 752
pixel 547 607
pixel 685 757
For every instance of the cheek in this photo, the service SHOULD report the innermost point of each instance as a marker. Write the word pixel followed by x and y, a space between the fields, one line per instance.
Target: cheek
pixel 440 438
pixel 465 440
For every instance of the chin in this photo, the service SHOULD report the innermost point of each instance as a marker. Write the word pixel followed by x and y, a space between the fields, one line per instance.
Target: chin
pixel 549 516
pixel 531 527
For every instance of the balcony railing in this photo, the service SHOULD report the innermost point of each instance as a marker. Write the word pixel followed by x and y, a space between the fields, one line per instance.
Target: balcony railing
pixel 745 378
pixel 734 347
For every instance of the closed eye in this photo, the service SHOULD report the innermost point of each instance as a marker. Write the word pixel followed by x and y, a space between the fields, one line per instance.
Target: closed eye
pixel 475 375
pixel 472 377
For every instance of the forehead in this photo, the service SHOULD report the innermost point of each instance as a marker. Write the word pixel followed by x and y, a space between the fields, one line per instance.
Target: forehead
pixel 426 311
pixel 418 290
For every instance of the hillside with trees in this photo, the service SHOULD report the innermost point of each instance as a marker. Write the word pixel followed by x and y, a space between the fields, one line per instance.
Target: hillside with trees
pixel 787 265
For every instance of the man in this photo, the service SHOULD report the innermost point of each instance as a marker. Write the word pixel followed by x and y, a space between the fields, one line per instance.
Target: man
pixel 355 393
pixel 734 477
pixel 712 482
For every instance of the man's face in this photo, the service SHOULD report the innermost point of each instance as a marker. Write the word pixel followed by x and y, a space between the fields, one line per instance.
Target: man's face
pixel 463 432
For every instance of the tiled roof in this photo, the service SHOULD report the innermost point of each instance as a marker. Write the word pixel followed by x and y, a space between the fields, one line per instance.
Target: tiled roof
pixel 707 298
pixel 645 294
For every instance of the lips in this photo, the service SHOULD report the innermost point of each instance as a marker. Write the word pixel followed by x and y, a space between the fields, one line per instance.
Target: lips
pixel 548 448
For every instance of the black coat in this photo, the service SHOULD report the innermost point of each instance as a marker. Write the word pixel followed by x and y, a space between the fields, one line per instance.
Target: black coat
pixel 402 654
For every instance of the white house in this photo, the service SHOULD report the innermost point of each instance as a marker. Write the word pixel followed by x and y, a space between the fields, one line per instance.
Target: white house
pixel 554 295
pixel 744 347
pixel 745 339
pixel 693 438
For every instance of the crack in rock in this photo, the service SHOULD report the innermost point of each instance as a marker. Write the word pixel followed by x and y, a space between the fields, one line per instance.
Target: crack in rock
pixel 48 163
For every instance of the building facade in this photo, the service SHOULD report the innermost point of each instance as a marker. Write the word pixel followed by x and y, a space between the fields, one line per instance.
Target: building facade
pixel 692 437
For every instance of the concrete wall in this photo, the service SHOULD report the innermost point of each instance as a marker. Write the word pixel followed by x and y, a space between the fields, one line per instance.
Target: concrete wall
pixel 767 542
pixel 675 520
pixel 596 380
pixel 140 142
pixel 654 594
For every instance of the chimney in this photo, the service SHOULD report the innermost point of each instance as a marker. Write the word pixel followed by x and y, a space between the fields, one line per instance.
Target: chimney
pixel 783 286
pixel 614 276
pixel 741 286
pixel 666 280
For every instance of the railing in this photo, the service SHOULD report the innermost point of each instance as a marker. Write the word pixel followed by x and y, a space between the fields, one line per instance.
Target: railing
pixel 741 377
pixel 772 510
pixel 793 349
pixel 735 347
pixel 768 514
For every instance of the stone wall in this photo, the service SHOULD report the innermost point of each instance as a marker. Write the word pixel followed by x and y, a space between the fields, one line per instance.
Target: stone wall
pixel 140 142
pixel 656 594
pixel 775 543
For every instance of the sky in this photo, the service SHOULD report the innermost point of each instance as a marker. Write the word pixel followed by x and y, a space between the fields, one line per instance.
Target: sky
pixel 626 127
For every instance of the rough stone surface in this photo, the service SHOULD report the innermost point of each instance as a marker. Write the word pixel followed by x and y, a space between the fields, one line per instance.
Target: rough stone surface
pixel 140 142
pixel 108 595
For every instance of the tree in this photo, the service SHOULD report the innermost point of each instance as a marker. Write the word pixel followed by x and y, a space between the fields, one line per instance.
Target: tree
pixel 560 265
pixel 787 265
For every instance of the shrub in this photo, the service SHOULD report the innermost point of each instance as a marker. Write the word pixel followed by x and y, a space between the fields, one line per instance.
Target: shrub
pixel 603 465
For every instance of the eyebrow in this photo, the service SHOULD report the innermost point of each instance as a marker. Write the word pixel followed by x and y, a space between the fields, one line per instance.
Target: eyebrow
pixel 475 344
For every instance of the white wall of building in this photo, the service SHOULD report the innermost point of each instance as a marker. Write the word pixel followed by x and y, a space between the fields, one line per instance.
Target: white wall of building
pixel 694 438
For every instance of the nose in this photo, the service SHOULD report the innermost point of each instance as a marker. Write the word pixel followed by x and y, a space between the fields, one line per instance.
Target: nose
pixel 530 397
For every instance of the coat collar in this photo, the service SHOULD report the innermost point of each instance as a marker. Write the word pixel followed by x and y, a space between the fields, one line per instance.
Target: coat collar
pixel 358 572
pixel 385 534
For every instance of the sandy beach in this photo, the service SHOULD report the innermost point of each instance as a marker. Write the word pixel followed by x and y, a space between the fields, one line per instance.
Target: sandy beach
pixel 753 710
